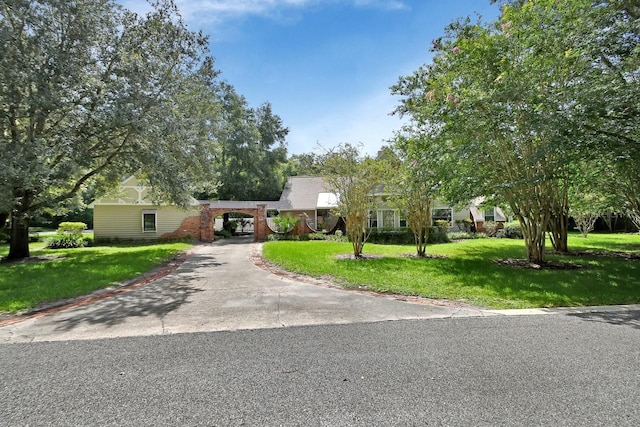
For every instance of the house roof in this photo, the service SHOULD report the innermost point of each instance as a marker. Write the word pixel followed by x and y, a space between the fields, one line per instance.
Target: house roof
pixel 301 193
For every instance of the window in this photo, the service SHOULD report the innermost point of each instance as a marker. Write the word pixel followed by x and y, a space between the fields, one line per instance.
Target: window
pixel 388 218
pixel 149 221
pixel 490 215
pixel 373 220
pixel 439 214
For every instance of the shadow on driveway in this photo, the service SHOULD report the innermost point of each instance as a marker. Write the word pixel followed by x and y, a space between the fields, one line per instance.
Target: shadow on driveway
pixel 621 318
pixel 156 299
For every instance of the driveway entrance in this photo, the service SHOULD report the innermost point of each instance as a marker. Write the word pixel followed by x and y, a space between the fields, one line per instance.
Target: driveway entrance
pixel 218 288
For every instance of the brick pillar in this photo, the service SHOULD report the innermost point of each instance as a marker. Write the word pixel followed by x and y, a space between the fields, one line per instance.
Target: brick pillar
pixel 206 223
pixel 260 224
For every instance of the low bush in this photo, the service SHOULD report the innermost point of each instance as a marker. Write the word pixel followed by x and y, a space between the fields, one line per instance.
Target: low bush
pixel 404 236
pixel 65 241
pixel 72 228
pixel 285 223
pixel 464 225
pixel 512 230
pixel 464 235
pixel 491 228
pixel 397 236
pixel 224 233
pixel 69 236
pixel 317 236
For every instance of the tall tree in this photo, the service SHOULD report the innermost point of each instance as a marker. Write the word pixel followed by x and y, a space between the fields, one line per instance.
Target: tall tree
pixel 89 93
pixel 253 149
pixel 507 105
pixel 309 164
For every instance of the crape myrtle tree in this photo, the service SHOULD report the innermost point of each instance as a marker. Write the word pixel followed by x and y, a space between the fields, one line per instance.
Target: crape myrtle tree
pixel 592 194
pixel 498 104
pixel 352 177
pixel 90 93
pixel 411 184
pixel 611 39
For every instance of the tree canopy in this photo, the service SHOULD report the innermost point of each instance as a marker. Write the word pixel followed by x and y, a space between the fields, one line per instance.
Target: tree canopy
pixel 253 150
pixel 91 93
pixel 507 107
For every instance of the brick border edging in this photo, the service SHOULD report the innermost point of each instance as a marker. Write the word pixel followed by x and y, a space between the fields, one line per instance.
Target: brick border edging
pixel 57 306
pixel 259 261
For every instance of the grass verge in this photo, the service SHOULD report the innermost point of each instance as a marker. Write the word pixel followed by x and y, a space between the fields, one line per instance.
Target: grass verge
pixel 77 272
pixel 469 274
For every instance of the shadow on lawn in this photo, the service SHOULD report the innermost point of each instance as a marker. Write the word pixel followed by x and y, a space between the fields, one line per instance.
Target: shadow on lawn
pixel 157 298
pixel 602 281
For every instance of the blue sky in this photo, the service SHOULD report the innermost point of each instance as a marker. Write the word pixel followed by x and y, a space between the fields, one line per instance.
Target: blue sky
pixel 325 65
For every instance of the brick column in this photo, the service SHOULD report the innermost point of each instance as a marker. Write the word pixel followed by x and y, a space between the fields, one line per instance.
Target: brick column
pixel 206 223
pixel 260 223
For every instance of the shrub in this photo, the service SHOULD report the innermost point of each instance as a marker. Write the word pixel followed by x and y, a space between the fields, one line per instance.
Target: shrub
pixel 337 237
pixel 224 233
pixel 439 233
pixel 491 228
pixel 463 235
pixel 443 224
pixel 316 236
pixel 285 224
pixel 230 227
pixel 464 225
pixel 404 236
pixel 513 230
pixel 73 228
pixel 65 241
pixel 34 237
pixel 69 236
pixel 398 236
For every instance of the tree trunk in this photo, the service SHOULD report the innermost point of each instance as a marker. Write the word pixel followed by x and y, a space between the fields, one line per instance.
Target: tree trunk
pixel 19 247
pixel 534 239
pixel 421 235
pixel 559 228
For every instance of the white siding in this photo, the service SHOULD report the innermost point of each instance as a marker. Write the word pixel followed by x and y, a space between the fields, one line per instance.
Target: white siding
pixel 125 222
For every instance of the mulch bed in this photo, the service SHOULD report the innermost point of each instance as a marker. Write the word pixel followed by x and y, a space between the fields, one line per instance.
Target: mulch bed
pixel 361 257
pixel 376 256
pixel 616 254
pixel 547 265
pixel 426 256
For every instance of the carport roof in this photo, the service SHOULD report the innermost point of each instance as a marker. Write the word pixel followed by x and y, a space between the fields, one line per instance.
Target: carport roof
pixel 239 204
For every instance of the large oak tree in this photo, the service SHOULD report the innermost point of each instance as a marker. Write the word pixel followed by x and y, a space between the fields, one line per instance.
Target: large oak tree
pixel 90 93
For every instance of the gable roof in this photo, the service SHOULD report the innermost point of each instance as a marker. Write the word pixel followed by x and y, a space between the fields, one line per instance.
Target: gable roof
pixel 301 193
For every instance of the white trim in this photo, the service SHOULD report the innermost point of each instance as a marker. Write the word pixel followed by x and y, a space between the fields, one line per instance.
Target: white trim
pixel 155 217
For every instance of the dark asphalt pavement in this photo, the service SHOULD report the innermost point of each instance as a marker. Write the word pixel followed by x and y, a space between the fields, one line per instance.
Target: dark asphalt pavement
pixel 569 370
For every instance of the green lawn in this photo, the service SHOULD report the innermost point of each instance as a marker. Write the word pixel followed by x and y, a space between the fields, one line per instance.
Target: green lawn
pixel 78 272
pixel 469 275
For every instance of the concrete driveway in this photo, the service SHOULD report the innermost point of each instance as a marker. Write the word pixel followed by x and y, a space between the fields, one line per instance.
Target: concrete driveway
pixel 219 288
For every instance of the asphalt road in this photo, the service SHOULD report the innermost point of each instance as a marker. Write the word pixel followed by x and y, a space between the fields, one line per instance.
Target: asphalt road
pixel 563 369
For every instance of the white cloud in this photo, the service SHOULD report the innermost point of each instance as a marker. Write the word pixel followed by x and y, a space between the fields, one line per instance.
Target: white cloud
pixel 214 11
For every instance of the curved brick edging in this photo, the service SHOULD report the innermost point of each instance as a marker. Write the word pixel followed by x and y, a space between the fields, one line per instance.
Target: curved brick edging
pixel 100 294
pixel 256 257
